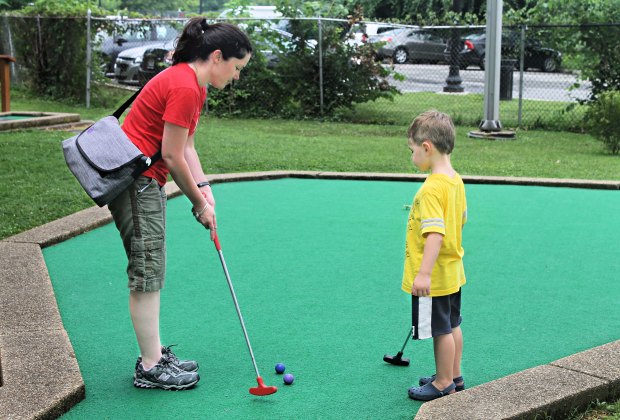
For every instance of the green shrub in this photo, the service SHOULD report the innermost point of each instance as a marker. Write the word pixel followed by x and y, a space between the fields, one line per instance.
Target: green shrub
pixel 51 47
pixel 603 120
pixel 291 87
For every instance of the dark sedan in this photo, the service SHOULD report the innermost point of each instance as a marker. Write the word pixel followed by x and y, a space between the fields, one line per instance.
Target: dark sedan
pixel 473 48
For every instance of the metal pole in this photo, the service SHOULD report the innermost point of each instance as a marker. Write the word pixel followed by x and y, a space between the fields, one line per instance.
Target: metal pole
pixel 88 58
pixel 14 68
pixel 521 67
pixel 492 66
pixel 321 61
pixel 454 80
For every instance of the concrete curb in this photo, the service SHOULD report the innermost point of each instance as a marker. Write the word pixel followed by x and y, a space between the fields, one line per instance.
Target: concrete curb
pixel 547 390
pixel 39 387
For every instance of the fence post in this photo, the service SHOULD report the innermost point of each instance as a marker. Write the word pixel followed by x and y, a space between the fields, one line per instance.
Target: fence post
pixel 521 67
pixel 321 61
pixel 88 58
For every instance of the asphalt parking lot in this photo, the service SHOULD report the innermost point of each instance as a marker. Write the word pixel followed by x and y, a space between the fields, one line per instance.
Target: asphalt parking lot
pixel 537 85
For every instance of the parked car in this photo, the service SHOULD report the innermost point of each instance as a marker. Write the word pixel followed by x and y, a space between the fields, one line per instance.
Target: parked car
pixel 128 62
pixel 411 45
pixel 153 61
pixel 362 32
pixel 157 58
pixel 472 52
pixel 110 45
pixel 271 17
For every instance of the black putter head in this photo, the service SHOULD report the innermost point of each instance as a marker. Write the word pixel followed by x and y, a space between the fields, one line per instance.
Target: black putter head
pixel 396 360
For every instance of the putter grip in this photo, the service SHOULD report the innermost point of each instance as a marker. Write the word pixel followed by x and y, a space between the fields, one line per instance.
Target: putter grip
pixel 216 241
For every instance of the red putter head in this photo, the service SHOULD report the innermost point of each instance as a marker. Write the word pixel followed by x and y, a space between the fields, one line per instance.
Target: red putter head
pixel 261 390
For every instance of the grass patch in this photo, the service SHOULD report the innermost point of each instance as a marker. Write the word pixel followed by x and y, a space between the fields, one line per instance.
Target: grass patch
pixel 599 411
pixel 36 187
pixel 468 110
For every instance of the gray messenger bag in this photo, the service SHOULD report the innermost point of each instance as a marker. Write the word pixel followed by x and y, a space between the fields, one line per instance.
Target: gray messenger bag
pixel 104 160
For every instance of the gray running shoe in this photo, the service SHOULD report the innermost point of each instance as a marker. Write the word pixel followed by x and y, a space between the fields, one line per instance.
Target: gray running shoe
pixel 164 375
pixel 185 365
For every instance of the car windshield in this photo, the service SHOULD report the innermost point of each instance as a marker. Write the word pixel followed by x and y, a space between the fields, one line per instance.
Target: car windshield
pixel 392 32
pixel 476 37
pixel 155 33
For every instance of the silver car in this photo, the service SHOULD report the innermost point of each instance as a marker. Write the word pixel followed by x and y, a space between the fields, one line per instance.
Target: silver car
pixel 127 65
pixel 411 45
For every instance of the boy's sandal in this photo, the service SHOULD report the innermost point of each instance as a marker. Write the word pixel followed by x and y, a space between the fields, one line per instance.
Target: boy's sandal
pixel 428 392
pixel 460 384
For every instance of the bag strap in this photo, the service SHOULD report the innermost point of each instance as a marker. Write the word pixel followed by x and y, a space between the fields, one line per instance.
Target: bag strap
pixel 117 114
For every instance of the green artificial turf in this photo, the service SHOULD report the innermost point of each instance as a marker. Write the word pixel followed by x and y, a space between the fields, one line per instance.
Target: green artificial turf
pixel 317 266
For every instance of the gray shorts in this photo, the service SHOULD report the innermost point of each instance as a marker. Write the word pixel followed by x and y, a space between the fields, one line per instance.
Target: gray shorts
pixel 435 316
pixel 139 213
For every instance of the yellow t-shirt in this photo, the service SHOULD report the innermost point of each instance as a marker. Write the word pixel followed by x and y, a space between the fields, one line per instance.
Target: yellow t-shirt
pixel 439 206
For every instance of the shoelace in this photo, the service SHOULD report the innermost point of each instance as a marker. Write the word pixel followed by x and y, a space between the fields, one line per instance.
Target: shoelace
pixel 169 354
pixel 167 363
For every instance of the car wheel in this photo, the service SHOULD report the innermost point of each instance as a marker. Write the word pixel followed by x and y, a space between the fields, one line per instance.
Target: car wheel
pixel 481 62
pixel 401 56
pixel 550 65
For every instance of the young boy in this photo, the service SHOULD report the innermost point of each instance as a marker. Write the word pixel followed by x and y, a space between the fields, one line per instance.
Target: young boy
pixel 434 272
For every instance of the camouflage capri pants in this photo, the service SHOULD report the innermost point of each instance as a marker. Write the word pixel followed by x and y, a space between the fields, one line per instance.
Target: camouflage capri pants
pixel 139 213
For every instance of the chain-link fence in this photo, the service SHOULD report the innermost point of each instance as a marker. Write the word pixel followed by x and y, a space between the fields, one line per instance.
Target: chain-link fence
pixel 539 80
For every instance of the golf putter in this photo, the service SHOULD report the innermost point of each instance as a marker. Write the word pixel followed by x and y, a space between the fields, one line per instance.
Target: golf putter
pixel 261 389
pixel 398 359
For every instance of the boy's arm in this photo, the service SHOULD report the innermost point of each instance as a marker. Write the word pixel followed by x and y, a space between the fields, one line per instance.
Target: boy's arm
pixel 422 282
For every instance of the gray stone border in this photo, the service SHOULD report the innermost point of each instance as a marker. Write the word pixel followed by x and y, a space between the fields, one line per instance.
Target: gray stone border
pixel 37 119
pixel 33 385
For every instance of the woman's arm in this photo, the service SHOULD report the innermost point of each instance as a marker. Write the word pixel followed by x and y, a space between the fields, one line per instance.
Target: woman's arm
pixel 173 147
pixel 195 167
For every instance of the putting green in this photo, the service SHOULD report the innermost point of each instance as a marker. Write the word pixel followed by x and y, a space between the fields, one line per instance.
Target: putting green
pixel 316 266
pixel 15 117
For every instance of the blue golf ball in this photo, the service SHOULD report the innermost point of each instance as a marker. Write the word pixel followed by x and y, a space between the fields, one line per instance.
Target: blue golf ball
pixel 288 379
pixel 280 368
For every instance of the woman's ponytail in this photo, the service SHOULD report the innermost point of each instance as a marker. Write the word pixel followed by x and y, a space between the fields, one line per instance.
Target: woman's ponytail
pixel 199 40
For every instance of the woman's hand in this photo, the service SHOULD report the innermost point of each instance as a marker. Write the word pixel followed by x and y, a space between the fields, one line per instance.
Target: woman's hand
pixel 206 217
pixel 208 195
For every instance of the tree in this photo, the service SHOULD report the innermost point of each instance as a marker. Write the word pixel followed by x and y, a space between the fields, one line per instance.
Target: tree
pixel 13 4
pixel 159 6
pixel 597 45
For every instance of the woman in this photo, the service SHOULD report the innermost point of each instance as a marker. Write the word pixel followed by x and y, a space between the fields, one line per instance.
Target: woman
pixel 164 117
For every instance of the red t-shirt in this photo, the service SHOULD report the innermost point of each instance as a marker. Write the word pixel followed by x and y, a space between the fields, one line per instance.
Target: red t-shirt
pixel 172 96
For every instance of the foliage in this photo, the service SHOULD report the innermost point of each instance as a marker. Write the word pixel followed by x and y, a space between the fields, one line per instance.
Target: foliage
pixel 13 4
pixel 595 41
pixel 603 120
pixel 52 50
pixel 159 6
pixel 290 87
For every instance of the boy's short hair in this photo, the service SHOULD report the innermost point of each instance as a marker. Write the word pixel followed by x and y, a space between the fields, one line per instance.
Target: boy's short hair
pixel 436 127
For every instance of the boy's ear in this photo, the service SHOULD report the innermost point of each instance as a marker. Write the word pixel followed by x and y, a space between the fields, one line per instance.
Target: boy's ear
pixel 428 146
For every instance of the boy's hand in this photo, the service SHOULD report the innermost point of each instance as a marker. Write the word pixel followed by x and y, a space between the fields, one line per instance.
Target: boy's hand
pixel 421 285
